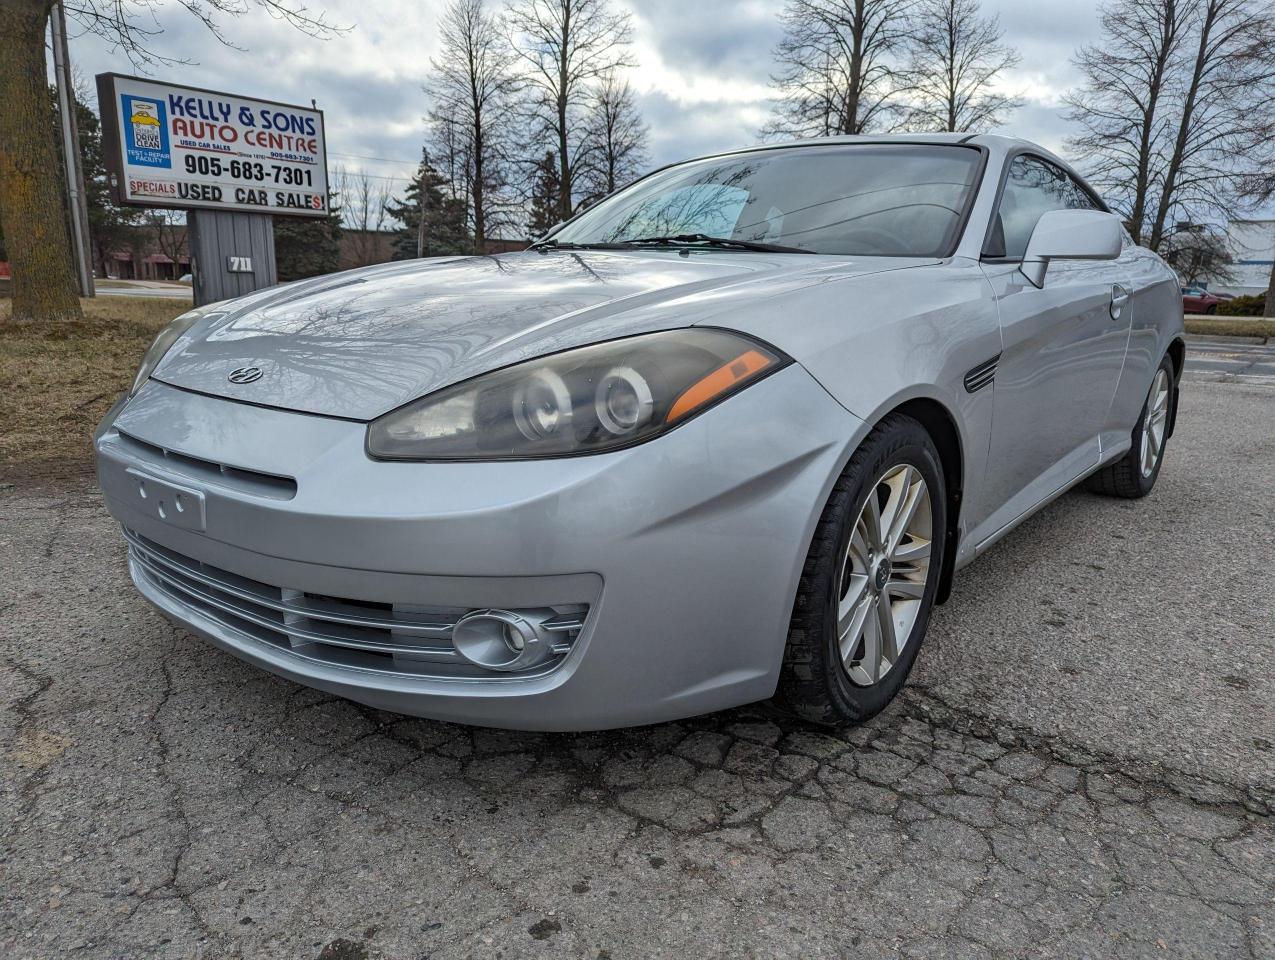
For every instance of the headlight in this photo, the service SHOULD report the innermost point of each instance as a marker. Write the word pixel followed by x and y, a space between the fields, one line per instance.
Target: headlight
pixel 586 400
pixel 167 337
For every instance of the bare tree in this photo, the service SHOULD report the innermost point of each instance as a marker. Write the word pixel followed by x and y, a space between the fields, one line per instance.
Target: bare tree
pixel 1124 106
pixel 957 54
pixel 840 69
pixel 568 46
pixel 165 233
pixel 472 92
pixel 364 201
pixel 618 137
pixel 1178 110
pixel 1226 113
pixel 1199 253
pixel 43 280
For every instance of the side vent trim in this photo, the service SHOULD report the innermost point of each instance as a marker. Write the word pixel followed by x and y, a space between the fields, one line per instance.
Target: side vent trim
pixel 982 375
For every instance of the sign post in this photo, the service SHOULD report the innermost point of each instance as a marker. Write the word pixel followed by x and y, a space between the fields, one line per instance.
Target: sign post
pixel 232 162
pixel 71 161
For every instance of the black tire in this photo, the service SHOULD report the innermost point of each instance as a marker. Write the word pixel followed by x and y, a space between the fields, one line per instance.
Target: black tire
pixel 1124 478
pixel 813 682
pixel 1211 309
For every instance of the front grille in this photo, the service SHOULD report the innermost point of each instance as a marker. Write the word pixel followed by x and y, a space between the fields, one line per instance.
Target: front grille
pixel 395 638
pixel 218 474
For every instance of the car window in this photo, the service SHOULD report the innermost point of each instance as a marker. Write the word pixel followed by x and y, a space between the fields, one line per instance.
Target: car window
pixel 1033 187
pixel 884 200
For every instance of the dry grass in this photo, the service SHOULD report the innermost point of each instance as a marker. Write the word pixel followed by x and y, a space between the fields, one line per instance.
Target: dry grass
pixel 1231 327
pixel 58 379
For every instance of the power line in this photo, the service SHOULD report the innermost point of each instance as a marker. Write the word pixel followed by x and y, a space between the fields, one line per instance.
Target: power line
pixel 379 176
pixel 359 156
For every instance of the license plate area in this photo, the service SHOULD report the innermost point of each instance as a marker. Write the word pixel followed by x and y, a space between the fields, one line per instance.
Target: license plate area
pixel 170 502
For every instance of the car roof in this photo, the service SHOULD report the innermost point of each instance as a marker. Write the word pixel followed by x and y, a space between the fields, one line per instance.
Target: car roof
pixel 996 144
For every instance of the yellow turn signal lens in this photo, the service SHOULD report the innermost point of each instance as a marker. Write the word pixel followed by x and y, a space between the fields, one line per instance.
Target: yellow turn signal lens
pixel 744 367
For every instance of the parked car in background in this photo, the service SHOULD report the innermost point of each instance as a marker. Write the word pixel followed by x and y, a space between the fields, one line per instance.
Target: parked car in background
pixel 724 435
pixel 1199 300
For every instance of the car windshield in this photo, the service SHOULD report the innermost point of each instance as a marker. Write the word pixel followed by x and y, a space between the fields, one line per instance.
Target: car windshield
pixel 882 200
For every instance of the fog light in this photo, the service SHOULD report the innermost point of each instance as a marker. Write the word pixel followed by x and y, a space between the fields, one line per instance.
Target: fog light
pixel 504 640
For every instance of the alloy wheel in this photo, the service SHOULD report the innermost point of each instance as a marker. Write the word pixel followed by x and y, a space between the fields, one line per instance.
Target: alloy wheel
pixel 1156 423
pixel 883 574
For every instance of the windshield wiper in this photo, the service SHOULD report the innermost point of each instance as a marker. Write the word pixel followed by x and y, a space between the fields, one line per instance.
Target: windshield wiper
pixel 551 244
pixel 710 241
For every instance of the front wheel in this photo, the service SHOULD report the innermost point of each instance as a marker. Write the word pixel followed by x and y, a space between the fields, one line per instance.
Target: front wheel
pixel 870 579
pixel 1134 474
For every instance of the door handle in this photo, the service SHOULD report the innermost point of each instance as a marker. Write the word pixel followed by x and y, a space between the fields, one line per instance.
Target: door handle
pixel 1119 300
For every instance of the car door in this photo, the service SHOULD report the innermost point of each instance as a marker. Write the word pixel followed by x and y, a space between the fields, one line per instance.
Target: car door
pixel 1063 347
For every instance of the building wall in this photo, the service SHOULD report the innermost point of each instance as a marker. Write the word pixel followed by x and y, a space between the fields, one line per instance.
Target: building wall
pixel 1252 244
pixel 362 248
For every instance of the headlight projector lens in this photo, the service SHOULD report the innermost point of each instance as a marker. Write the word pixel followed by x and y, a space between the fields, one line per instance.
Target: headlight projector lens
pixel 542 406
pixel 624 400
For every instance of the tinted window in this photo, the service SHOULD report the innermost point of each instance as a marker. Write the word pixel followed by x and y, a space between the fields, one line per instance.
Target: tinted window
pixel 867 200
pixel 1032 188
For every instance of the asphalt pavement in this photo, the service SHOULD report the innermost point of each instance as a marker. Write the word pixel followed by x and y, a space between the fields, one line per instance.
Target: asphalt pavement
pixel 1081 766
pixel 148 289
pixel 1223 358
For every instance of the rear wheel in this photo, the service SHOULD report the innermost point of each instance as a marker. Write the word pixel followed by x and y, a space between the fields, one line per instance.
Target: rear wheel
pixel 870 578
pixel 1134 474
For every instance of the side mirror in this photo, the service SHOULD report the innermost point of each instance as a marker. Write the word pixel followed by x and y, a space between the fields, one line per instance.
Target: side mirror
pixel 1070 235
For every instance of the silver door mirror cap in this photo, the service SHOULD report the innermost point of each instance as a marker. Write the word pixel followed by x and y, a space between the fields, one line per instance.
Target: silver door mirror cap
pixel 1070 235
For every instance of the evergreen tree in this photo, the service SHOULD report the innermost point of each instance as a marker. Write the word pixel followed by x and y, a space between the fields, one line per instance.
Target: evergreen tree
pixel 308 246
pixel 545 191
pixel 446 231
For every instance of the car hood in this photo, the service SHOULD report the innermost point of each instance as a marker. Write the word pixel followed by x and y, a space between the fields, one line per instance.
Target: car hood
pixel 360 343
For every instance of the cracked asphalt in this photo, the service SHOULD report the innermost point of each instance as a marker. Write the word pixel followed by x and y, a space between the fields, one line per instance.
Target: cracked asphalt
pixel 1082 766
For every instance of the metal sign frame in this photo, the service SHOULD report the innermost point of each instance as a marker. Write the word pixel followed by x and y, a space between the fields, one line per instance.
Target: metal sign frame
pixel 113 152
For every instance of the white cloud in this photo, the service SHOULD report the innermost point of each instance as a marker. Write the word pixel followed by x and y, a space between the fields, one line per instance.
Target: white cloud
pixel 703 74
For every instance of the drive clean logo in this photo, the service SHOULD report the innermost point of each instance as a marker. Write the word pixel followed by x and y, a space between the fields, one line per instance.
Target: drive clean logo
pixel 146 131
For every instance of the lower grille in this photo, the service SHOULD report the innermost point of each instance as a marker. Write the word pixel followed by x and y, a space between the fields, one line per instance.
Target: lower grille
pixel 398 638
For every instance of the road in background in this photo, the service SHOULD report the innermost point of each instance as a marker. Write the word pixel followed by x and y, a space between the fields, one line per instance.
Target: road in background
pixel 144 288
pixel 1233 358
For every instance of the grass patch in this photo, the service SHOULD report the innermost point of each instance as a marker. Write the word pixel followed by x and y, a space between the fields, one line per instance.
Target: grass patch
pixel 1231 327
pixel 57 380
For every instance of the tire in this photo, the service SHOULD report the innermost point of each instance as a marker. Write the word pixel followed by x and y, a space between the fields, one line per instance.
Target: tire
pixel 1211 310
pixel 1129 477
pixel 816 683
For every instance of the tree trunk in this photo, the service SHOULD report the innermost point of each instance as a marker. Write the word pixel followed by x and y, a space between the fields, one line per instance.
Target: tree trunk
pixel 1269 312
pixel 1160 227
pixel 564 149
pixel 851 123
pixel 31 202
pixel 479 198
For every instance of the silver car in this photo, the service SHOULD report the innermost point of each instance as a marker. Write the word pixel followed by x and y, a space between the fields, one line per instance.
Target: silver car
pixel 726 435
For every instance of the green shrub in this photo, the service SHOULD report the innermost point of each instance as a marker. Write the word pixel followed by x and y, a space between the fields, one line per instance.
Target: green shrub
pixel 1243 306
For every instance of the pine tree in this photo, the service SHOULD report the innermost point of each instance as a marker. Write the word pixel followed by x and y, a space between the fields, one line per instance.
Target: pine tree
pixel 446 231
pixel 545 191
pixel 308 246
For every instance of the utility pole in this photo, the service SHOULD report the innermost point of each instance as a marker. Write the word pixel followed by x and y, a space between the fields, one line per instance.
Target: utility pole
pixel 71 162
pixel 422 232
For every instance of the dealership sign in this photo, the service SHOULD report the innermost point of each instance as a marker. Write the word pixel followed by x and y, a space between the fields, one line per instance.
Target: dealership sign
pixel 183 148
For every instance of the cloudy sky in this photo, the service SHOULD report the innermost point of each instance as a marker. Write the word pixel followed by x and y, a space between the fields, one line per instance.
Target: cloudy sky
pixel 702 78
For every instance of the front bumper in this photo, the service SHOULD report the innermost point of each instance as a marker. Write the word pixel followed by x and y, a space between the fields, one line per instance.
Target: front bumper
pixel 685 551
